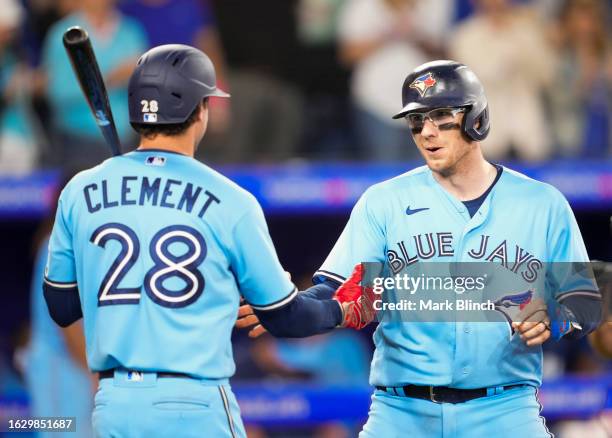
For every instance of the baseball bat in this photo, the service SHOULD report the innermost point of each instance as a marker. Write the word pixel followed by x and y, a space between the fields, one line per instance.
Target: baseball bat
pixel 85 66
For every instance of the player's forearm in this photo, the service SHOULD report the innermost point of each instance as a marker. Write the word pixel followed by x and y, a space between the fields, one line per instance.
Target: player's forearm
pixel 303 316
pixel 75 343
pixel 353 52
pixel 322 291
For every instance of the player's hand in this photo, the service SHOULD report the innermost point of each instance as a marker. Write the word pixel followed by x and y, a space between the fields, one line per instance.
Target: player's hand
pixel 248 320
pixel 356 301
pixel 533 324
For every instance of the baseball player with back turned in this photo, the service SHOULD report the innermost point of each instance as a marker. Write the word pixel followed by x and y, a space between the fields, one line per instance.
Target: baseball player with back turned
pixel 457 379
pixel 154 249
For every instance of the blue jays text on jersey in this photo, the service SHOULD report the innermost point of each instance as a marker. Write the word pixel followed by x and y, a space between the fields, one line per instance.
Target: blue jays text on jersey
pixel 521 225
pixel 427 247
pixel 162 247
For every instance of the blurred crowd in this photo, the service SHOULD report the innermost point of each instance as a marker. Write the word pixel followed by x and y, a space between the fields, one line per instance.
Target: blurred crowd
pixel 313 79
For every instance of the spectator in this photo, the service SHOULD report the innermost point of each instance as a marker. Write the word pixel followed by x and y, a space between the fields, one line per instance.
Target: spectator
pixel 580 95
pixel 504 45
pixel 117 41
pixel 17 145
pixel 327 118
pixel 261 49
pixel 39 17
pixel 383 40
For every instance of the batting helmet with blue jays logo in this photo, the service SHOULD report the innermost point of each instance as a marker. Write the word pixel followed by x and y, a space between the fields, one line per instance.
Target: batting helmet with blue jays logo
pixel 447 84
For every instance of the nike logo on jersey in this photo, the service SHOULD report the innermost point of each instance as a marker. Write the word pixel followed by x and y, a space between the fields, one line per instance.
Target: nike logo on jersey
pixel 416 210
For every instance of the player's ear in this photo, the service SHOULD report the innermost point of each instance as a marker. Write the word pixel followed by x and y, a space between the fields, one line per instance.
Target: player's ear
pixel 204 107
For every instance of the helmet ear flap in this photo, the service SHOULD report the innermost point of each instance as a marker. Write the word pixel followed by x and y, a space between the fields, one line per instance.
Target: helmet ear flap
pixel 476 124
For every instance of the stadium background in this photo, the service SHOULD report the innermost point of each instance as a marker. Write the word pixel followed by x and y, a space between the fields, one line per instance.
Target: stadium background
pixel 298 134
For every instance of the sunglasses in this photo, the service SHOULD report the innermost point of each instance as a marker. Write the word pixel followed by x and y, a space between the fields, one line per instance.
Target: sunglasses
pixel 439 117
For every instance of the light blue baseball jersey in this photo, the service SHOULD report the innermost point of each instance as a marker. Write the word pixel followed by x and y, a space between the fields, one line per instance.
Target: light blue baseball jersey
pixel 410 219
pixel 161 247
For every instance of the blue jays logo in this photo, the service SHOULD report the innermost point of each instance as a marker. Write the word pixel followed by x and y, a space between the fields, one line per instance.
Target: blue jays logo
pixel 423 83
pixel 520 300
pixel 511 305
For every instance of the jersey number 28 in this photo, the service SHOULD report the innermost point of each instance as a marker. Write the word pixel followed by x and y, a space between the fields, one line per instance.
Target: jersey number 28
pixel 165 265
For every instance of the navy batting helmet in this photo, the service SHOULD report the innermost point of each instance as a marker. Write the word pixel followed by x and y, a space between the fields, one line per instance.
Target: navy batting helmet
pixel 447 84
pixel 169 82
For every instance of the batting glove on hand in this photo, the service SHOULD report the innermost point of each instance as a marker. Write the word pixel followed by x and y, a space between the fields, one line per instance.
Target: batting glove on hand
pixel 356 301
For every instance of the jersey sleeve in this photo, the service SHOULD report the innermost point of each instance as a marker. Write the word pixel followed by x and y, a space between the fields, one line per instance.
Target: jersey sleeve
pixel 569 270
pixel 362 240
pixel 60 271
pixel 262 280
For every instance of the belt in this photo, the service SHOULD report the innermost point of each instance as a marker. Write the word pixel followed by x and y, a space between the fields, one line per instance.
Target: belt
pixel 106 374
pixel 443 394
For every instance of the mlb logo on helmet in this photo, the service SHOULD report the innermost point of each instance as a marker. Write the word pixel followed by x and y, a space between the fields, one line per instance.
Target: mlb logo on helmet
pixel 149 117
pixel 423 83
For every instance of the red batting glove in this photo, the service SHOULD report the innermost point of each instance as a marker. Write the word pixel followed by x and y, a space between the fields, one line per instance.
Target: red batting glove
pixel 356 301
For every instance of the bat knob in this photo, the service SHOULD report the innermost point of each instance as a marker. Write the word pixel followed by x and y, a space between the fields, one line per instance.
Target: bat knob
pixel 75 35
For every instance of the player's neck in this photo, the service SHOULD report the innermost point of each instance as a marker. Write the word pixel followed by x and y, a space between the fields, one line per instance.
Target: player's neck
pixel 470 178
pixel 182 144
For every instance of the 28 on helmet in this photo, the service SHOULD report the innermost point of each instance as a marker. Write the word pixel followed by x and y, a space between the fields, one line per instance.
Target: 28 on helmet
pixel 447 84
pixel 168 83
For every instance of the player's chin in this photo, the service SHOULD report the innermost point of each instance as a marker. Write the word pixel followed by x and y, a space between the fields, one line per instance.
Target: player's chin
pixel 436 164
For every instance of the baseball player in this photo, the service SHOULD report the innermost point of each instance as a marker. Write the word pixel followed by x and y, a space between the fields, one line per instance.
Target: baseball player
pixel 154 249
pixel 457 379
